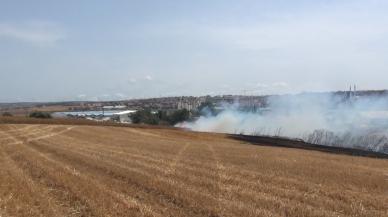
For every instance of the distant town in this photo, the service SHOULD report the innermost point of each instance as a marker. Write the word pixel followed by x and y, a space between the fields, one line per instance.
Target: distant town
pixel 168 104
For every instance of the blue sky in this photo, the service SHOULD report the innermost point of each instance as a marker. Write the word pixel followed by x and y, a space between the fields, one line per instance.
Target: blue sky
pixel 106 50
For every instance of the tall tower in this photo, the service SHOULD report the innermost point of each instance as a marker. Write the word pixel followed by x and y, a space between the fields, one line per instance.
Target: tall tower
pixel 350 92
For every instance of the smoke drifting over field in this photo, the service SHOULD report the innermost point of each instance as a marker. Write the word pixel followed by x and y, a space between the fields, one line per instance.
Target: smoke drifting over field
pixel 342 120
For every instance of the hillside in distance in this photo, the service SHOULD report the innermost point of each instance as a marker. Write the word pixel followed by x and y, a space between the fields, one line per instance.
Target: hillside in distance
pixel 166 103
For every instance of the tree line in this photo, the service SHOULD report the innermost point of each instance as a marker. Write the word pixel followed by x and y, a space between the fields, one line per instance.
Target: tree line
pixel 160 117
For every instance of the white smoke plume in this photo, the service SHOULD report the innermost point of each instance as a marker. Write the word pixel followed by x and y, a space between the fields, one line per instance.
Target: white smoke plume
pixel 328 119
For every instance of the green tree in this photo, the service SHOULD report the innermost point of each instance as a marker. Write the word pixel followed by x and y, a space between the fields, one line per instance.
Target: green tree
pixel 145 117
pixel 179 116
pixel 38 114
pixel 7 114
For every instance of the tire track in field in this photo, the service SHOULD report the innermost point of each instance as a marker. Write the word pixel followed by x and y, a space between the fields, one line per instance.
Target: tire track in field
pixel 147 156
pixel 267 197
pixel 117 194
pixel 35 132
pixel 23 135
pixel 51 134
pixel 142 150
pixel 34 136
pixel 140 132
pixel 171 170
pixel 5 139
pixel 40 196
pixel 48 177
pixel 124 199
pixel 7 133
pixel 140 147
pixel 88 162
pixel 229 189
pixel 220 173
pixel 15 128
pixel 177 164
pixel 167 181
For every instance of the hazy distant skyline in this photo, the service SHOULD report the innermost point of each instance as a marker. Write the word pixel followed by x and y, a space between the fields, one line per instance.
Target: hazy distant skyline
pixel 109 50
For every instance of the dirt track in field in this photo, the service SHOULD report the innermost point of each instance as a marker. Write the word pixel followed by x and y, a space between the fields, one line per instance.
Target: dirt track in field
pixel 58 170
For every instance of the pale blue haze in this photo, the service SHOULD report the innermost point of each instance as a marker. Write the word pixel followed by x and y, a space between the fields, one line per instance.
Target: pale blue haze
pixel 53 50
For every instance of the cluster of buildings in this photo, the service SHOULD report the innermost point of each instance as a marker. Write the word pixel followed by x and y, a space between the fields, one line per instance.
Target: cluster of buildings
pixel 192 103
pixel 166 103
pixel 120 110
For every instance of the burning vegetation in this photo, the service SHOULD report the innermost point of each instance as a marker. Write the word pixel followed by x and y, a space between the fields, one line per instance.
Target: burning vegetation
pixel 344 119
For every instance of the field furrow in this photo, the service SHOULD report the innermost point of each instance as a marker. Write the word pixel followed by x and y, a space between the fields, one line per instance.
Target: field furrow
pixel 54 170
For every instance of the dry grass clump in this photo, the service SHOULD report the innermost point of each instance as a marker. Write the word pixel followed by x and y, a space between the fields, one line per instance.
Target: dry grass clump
pixel 68 170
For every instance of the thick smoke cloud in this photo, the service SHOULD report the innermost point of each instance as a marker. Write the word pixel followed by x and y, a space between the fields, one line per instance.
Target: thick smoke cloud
pixel 342 120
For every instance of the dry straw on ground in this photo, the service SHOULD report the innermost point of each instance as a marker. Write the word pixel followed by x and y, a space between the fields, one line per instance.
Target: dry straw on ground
pixel 65 170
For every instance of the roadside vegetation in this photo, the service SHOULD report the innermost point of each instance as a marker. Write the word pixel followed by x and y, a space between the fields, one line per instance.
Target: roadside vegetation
pixel 39 114
pixel 160 117
pixel 6 114
pixel 172 118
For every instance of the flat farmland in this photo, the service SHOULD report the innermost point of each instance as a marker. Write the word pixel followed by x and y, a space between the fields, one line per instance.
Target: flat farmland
pixel 69 170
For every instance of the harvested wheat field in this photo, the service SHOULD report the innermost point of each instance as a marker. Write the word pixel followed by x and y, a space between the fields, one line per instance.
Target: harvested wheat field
pixel 58 170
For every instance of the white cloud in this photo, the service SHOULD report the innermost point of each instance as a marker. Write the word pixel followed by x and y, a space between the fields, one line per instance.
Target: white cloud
pixel 81 96
pixel 306 33
pixel 261 85
pixel 132 80
pixel 148 78
pixel 277 87
pixel 339 30
pixel 94 98
pixel 120 95
pixel 36 32
pixel 279 84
